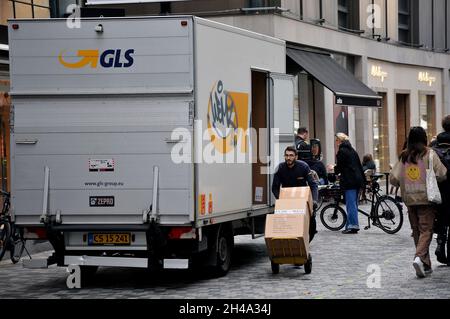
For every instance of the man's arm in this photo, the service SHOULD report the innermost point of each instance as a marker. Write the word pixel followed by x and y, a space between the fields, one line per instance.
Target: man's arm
pixel 312 184
pixel 337 168
pixel 276 184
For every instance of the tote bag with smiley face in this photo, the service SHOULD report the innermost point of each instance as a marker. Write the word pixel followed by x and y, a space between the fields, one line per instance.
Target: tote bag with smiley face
pixel 415 179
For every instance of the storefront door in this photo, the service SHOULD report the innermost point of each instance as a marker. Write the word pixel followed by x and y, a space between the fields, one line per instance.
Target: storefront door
pixel 427 114
pixel 403 120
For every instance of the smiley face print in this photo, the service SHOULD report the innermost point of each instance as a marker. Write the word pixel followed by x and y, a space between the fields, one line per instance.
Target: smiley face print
pixel 413 173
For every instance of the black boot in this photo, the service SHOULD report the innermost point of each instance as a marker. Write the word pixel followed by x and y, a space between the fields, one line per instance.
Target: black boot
pixel 440 249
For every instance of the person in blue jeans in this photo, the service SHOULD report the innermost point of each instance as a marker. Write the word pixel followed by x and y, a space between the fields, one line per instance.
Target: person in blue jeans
pixel 352 179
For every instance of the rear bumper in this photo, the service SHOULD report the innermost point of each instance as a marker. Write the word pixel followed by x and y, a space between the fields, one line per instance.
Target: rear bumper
pixel 123 262
pixel 106 261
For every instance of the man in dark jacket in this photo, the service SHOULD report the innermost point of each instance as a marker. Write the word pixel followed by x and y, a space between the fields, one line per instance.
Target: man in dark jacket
pixel 293 173
pixel 348 165
pixel 301 144
pixel 442 229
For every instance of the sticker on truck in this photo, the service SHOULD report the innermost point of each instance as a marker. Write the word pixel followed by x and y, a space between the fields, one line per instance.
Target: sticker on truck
pixel 101 165
pixel 101 201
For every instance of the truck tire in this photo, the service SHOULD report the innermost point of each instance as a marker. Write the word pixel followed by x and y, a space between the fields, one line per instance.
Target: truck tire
pixel 5 234
pixel 87 274
pixel 225 242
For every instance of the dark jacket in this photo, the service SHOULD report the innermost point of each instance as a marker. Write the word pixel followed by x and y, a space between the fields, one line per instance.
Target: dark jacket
pixel 303 148
pixel 349 166
pixel 444 138
pixel 297 176
pixel 443 146
pixel 319 168
pixel 369 165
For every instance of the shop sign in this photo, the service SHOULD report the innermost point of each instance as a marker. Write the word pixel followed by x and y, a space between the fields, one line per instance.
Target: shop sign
pixel 427 78
pixel 377 72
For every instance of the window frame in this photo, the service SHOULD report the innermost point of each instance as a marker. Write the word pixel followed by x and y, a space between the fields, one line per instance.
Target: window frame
pixel 32 5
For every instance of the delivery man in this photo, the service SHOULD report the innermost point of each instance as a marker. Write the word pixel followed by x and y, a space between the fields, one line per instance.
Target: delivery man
pixel 294 173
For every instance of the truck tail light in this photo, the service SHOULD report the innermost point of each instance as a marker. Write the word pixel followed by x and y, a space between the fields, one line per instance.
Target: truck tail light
pixel 35 233
pixel 182 233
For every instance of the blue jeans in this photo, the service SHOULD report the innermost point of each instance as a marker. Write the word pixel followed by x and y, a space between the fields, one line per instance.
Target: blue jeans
pixel 351 202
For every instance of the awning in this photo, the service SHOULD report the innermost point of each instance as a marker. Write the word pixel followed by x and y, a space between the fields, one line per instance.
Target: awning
pixel 347 89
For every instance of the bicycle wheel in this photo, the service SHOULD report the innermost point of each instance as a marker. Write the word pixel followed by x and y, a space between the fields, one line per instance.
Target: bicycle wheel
pixel 389 215
pixel 17 246
pixel 5 234
pixel 333 217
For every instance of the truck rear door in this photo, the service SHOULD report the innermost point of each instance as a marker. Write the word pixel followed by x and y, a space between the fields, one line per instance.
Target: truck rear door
pixel 99 109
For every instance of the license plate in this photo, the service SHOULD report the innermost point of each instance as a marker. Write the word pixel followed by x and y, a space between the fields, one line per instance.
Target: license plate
pixel 108 239
pixel 101 201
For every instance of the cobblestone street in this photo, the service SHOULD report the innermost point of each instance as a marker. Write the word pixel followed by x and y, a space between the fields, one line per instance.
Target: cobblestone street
pixel 340 270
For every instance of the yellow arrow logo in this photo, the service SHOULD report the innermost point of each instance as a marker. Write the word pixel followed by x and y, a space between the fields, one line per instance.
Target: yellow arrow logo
pixel 87 57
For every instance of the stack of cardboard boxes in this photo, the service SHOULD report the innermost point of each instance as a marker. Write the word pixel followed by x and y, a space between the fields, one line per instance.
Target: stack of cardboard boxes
pixel 287 231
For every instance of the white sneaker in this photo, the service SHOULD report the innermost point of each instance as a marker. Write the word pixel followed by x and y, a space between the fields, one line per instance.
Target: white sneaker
pixel 418 266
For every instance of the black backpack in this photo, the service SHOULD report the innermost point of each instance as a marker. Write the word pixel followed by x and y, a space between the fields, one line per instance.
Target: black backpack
pixel 443 151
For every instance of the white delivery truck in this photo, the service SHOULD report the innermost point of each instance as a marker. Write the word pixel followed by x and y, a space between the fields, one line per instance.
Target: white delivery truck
pixel 129 134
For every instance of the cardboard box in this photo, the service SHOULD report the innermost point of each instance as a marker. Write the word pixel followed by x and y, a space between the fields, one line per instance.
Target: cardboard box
pixel 287 231
pixel 297 193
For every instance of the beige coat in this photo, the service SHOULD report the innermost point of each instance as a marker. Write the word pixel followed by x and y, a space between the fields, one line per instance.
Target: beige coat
pixel 419 196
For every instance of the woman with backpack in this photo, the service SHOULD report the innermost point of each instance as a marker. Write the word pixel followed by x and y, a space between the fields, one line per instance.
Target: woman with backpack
pixel 410 174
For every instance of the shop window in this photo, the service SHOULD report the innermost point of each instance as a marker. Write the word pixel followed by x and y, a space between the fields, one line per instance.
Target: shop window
pixel 407 21
pixel 348 15
pixel 427 115
pixel 297 105
pixel 27 9
pixel 263 3
pixel 380 136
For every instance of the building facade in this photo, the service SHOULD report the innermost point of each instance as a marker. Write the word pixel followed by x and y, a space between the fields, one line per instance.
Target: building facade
pixel 400 54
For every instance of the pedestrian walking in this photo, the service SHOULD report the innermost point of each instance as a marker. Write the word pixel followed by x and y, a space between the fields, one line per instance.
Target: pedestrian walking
pixel 348 165
pixel 442 221
pixel 410 174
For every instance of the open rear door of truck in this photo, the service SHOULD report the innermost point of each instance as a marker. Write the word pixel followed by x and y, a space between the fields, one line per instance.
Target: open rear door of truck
pixel 281 88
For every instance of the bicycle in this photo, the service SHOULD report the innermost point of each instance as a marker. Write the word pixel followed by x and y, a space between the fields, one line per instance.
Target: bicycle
pixel 11 236
pixel 385 212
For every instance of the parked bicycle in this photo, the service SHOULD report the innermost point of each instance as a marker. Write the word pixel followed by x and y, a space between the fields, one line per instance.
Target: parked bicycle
pixel 385 212
pixel 11 236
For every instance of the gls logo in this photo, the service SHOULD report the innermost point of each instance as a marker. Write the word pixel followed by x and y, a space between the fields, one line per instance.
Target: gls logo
pixel 108 59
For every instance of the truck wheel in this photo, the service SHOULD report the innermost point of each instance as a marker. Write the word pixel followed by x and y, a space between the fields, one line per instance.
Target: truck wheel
pixel 308 265
pixel 87 274
pixel 275 268
pixel 225 243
